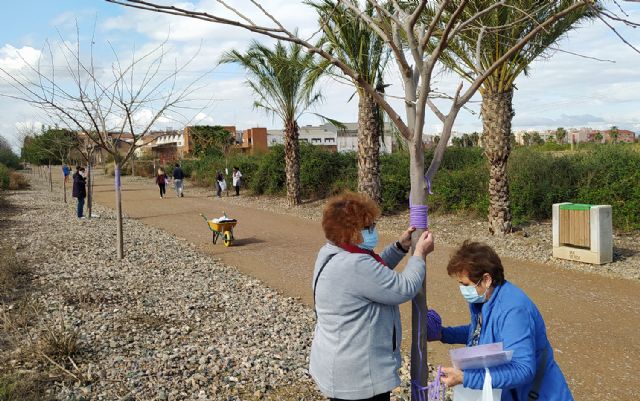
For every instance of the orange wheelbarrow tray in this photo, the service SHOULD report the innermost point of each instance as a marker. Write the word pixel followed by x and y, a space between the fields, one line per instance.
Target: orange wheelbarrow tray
pixel 222 229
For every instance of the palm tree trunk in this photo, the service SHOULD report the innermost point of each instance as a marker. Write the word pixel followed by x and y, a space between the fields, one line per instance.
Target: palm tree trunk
pixel 497 112
pixel 369 127
pixel 292 162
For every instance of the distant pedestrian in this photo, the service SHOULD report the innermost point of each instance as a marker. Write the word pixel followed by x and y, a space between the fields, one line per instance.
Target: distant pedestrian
pixel 178 176
pixel 66 170
pixel 80 189
pixel 221 184
pixel 162 180
pixel 237 180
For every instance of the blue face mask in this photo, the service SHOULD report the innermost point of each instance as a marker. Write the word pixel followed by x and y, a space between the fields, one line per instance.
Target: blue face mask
pixel 470 294
pixel 369 238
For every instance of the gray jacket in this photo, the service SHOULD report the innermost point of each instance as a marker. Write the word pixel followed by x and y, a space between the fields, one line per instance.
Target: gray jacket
pixel 356 345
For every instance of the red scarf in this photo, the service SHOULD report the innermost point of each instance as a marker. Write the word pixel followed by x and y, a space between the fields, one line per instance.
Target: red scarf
pixel 356 249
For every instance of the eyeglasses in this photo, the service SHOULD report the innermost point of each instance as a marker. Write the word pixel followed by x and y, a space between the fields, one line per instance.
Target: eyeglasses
pixel 371 228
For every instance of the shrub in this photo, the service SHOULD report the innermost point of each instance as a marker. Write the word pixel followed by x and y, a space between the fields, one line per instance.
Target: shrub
pixel 463 189
pixel 9 159
pixel 269 177
pixel 611 175
pixel 537 180
pixel 17 181
pixel 320 170
pixel 5 176
pixel 395 181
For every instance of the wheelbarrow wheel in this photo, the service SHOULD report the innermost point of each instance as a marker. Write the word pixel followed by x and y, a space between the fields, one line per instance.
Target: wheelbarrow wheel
pixel 228 238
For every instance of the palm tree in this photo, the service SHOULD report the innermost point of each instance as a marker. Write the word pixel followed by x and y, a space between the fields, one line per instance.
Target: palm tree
pixel 483 44
pixel 614 133
pixel 348 38
pixel 598 137
pixel 561 135
pixel 283 79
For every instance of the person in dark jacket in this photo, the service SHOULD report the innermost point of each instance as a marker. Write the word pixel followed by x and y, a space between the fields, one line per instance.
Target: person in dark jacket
pixel 161 180
pixel 80 189
pixel 502 312
pixel 178 176
pixel 219 183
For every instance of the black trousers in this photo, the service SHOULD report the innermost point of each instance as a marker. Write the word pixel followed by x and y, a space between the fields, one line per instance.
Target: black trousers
pixel 163 189
pixel 237 190
pixel 380 397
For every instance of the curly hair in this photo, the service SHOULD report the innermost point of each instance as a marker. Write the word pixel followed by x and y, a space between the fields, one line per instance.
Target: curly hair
pixel 476 258
pixel 345 216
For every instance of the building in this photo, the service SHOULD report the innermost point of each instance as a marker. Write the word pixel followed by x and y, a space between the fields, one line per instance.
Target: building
pixel 340 139
pixel 253 140
pixel 622 135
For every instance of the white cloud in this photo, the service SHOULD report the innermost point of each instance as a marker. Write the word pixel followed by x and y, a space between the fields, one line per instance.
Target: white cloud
pixel 14 59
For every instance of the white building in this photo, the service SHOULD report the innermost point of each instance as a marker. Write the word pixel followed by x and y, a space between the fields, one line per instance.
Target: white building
pixel 342 139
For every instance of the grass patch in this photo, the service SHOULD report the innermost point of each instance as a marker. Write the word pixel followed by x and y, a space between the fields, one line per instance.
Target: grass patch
pixel 14 277
pixel 25 387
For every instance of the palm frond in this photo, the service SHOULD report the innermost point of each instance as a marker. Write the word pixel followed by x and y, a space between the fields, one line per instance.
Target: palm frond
pixel 283 78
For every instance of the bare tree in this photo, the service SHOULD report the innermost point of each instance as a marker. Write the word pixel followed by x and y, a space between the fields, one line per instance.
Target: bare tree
pixel 114 107
pixel 417 33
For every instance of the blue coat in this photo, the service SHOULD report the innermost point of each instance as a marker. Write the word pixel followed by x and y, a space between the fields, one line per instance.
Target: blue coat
pixel 510 317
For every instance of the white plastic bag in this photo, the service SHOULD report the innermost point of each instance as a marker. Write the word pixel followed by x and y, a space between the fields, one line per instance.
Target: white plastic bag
pixel 461 393
pixel 223 185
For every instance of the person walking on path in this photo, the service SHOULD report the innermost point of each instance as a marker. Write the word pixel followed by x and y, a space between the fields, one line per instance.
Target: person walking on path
pixel 237 180
pixel 355 353
pixel 502 312
pixel 178 176
pixel 162 180
pixel 221 185
pixel 79 189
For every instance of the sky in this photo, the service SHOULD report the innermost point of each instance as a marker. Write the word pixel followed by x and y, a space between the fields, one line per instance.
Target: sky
pixel 560 90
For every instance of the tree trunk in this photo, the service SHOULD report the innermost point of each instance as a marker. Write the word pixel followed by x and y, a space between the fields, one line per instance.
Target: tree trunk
pixel 50 179
pixel 417 196
pixel 119 240
pixel 369 127
pixel 497 112
pixel 89 189
pixel 64 188
pixel 292 162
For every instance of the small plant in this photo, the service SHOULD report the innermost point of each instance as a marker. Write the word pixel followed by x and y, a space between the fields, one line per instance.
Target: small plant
pixel 59 342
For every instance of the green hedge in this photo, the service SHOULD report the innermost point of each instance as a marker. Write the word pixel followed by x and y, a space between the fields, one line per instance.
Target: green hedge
pixel 9 159
pixel 603 174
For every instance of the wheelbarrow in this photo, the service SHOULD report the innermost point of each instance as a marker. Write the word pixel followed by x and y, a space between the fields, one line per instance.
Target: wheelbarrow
pixel 222 229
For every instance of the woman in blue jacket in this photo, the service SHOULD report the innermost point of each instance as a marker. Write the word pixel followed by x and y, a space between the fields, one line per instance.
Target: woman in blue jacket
pixel 502 312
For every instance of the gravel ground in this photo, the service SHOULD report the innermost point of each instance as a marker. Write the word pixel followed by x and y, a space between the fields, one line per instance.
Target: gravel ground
pixel 533 242
pixel 165 323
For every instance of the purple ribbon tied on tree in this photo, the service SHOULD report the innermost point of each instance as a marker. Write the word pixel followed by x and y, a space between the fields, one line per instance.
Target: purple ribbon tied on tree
pixel 434 325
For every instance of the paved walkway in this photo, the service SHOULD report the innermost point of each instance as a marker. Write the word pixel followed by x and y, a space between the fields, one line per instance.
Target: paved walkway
pixel 593 322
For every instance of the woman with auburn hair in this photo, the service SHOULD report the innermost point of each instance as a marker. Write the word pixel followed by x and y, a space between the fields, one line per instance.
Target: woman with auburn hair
pixel 355 354
pixel 502 312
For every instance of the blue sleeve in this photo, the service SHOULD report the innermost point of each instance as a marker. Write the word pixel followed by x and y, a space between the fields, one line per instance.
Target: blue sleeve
pixel 516 328
pixel 377 283
pixel 455 335
pixel 392 256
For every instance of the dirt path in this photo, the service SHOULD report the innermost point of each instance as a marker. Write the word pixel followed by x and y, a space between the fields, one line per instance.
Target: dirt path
pixel 593 322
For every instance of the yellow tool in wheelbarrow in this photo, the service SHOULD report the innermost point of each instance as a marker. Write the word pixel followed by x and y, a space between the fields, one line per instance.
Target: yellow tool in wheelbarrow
pixel 221 227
